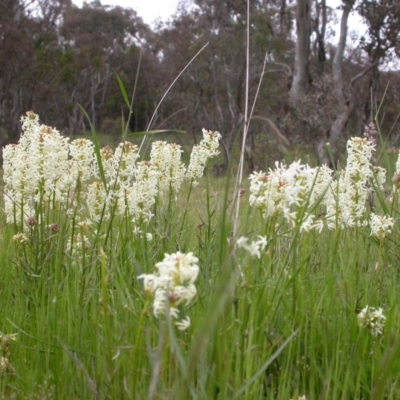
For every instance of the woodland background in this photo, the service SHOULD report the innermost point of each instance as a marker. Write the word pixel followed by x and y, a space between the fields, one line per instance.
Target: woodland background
pixel 316 87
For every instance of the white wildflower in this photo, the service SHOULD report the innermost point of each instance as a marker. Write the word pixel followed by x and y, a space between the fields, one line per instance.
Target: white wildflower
pixel 242 242
pixel 207 148
pixel 165 159
pixel 82 160
pixel 138 232
pixel 107 160
pixel 180 268
pixel 20 238
pixel 322 182
pixel 173 284
pixel 32 170
pixel 122 166
pixel 373 319
pixel 141 195
pixel 150 282
pixel 346 199
pixel 380 176
pixel 183 324
pixel 290 191
pixel 4 364
pixel 254 248
pixel 78 244
pixel 98 201
pixel 381 225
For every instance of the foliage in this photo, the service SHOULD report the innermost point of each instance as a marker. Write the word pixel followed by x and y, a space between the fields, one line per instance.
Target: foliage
pixel 283 310
pixel 54 56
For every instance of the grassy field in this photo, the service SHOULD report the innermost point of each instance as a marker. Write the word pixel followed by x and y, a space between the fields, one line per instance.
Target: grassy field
pixel 296 297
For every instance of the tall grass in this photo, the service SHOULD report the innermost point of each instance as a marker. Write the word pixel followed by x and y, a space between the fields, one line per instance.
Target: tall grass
pixel 276 327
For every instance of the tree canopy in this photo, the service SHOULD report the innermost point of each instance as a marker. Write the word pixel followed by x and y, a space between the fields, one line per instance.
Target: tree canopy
pixel 306 87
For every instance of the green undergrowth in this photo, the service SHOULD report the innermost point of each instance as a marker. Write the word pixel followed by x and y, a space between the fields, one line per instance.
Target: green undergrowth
pixel 79 325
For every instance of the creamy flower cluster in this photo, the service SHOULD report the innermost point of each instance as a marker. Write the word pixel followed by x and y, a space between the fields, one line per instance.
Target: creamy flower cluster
pixel 45 172
pixel 5 346
pixel 373 319
pixel 381 225
pixel 207 148
pixel 290 191
pixel 37 161
pixel 172 285
pixel 294 191
pixel 166 161
pixel 255 247
pixel 347 198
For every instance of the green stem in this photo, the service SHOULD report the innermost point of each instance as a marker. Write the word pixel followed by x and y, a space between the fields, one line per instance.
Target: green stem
pixel 137 346
pixel 187 207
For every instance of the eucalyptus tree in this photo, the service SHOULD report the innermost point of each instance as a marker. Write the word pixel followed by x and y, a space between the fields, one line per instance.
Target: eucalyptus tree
pixel 16 56
pixel 211 92
pixel 97 36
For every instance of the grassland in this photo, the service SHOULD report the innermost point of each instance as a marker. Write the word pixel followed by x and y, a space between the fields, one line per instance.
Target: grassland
pixel 76 322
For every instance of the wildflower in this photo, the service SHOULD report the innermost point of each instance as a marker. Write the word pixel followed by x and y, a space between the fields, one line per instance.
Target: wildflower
pixel 165 159
pixel 107 157
pixel 5 348
pixel 98 201
pixel 4 364
pixel 172 285
pixel 346 199
pixel 371 133
pixel 380 176
pixel 307 224
pixel 181 268
pixel 184 324
pixel 396 180
pixel 31 221
pixel 321 183
pixel 20 238
pixel 207 148
pixel 290 191
pixel 372 318
pixel 5 342
pixel 120 169
pixel 381 225
pixel 32 169
pixel 254 248
pixel 54 228
pixel 141 195
pixel 150 282
pixel 78 244
pixel 138 232
pixel 82 159
pixel 84 225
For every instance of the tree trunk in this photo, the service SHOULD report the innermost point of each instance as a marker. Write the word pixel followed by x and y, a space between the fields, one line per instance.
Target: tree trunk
pixel 282 19
pixel 321 29
pixel 301 77
pixel 345 101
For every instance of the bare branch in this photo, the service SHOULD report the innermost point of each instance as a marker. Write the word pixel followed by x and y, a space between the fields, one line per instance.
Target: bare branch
pixel 363 73
pixel 288 70
pixel 274 129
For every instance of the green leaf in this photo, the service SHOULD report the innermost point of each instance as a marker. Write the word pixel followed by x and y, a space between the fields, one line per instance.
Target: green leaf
pixel 122 89
pixel 265 366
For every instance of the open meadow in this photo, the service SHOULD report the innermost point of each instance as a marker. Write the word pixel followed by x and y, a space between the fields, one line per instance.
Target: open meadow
pixel 124 278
